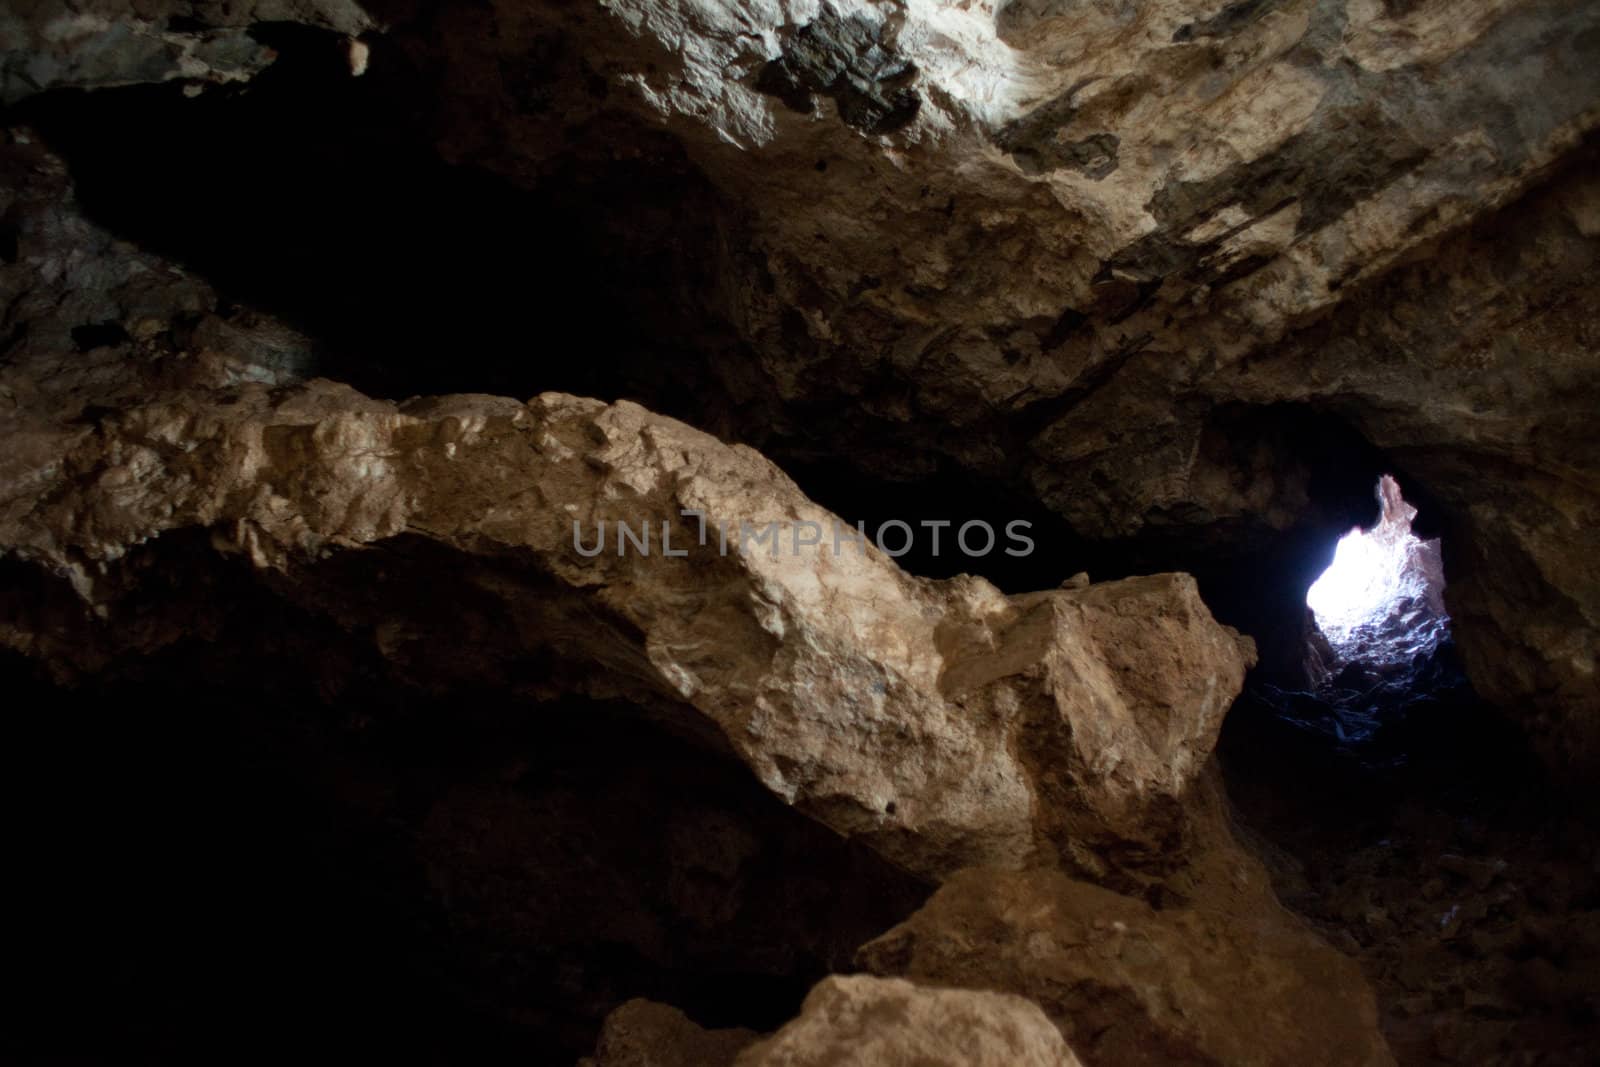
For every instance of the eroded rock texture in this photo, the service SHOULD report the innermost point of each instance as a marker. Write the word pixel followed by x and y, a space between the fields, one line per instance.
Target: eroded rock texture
pixel 1110 258
pixel 644 1034
pixel 863 1020
pixel 48 44
pixel 1148 268
pixel 947 724
pixel 179 480
pixel 1127 983
pixel 1075 247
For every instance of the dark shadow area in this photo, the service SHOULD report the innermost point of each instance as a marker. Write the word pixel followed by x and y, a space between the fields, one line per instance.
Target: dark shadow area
pixel 1412 825
pixel 235 849
pixel 1247 571
pixel 318 197
pixel 1437 853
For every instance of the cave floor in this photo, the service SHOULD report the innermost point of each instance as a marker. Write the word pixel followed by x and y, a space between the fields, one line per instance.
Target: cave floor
pixel 1464 884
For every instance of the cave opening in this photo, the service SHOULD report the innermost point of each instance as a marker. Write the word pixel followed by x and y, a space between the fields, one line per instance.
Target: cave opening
pixel 1399 813
pixel 1381 600
pixel 1411 823
pixel 1379 634
pixel 1360 675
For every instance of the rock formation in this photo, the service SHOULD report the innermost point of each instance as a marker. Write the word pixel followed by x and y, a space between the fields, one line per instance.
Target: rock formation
pixel 1064 245
pixel 1127 983
pixel 644 1034
pixel 862 1020
pixel 945 724
pixel 1182 278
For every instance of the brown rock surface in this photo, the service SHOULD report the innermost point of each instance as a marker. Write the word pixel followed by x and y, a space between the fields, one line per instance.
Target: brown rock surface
pixel 644 1034
pixel 942 723
pixel 861 1021
pixel 945 723
pixel 1214 971
pixel 1107 258
pixel 1113 257
pixel 1123 263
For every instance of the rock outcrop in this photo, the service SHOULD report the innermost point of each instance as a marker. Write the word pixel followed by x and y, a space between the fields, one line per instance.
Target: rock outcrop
pixel 845 1021
pixel 1106 258
pixel 1204 968
pixel 645 1034
pixel 1123 263
pixel 946 724
pixel 457 541
pixel 1109 257
pixel 1129 984
pixel 860 1021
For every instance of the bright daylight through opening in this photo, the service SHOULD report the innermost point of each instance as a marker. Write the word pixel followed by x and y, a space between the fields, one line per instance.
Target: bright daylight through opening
pixel 1382 599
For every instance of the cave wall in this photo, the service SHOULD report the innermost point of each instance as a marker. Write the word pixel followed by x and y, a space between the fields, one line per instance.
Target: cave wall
pixel 1177 281
pixel 1064 249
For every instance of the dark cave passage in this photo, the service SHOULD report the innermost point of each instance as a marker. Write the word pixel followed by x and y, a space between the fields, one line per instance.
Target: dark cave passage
pixel 1384 711
pixel 219 851
pixel 1411 823
pixel 319 198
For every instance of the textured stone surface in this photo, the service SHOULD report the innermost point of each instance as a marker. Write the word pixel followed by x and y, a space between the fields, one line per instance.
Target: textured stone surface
pixel 645 1034
pixel 1109 256
pixel 943 722
pixel 1095 253
pixel 946 723
pixel 50 44
pixel 859 1021
pixel 1220 974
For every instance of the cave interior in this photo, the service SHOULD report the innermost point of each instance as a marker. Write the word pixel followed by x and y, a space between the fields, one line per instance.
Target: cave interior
pixel 261 840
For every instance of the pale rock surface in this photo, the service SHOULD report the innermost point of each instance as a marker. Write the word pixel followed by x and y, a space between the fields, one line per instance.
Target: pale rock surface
pixel 862 1021
pixel 944 723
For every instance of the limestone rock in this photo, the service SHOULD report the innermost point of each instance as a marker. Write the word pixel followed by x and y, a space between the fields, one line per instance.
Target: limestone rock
pixel 1118 253
pixel 644 1034
pixel 1105 163
pixel 1109 255
pixel 1112 257
pixel 50 44
pixel 943 723
pixel 1129 984
pixel 861 1021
